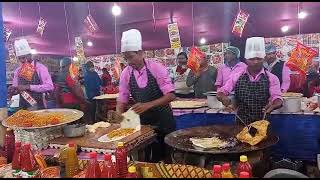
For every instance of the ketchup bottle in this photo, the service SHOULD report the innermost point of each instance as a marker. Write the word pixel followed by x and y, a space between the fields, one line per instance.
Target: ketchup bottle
pixel 244 175
pixel 108 170
pixel 28 162
pixel 216 171
pixel 244 166
pixel 93 170
pixel 121 160
pixel 9 144
pixel 16 161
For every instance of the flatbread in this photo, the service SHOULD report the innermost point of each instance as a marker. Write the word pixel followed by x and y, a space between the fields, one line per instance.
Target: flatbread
pixel 208 143
pixel 180 104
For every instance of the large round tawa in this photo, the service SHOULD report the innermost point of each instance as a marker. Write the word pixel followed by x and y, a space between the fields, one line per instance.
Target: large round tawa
pixel 180 139
pixel 70 115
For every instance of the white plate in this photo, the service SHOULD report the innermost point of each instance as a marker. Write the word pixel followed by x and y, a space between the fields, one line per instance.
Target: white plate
pixel 73 115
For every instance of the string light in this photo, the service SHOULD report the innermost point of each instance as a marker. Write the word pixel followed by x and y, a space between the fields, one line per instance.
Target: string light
pixel 66 20
pixel 116 10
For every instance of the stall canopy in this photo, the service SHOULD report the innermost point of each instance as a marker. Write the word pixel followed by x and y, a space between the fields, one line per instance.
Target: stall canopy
pixel 212 20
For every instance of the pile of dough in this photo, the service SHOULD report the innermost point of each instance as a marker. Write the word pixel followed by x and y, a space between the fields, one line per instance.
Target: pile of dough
pixel 92 128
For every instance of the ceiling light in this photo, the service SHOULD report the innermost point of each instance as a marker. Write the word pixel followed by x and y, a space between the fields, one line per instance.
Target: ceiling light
pixel 33 51
pixel 285 28
pixel 75 59
pixel 203 41
pixel 89 43
pixel 302 15
pixel 116 10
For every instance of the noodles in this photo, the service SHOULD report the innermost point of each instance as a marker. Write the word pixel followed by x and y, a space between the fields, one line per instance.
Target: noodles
pixel 24 118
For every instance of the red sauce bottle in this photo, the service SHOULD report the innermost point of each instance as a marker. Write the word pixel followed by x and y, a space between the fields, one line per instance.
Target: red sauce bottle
pixel 93 170
pixel 9 144
pixel 108 170
pixel 121 160
pixel 216 171
pixel 16 161
pixel 244 175
pixel 244 166
pixel 28 162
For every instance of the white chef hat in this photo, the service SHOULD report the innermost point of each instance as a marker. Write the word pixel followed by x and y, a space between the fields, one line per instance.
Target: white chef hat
pixel 255 48
pixel 22 47
pixel 131 40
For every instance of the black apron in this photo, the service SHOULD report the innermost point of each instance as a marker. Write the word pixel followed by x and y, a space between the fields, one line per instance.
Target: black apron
pixel 251 98
pixel 23 104
pixel 162 116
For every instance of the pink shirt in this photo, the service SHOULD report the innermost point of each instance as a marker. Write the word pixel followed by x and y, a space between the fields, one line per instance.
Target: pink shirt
pixel 45 78
pixel 285 75
pixel 274 89
pixel 159 72
pixel 225 71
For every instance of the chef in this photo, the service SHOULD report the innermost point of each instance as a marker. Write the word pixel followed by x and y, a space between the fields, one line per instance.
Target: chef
pixel 257 91
pixel 31 77
pixel 277 67
pixel 232 64
pixel 150 86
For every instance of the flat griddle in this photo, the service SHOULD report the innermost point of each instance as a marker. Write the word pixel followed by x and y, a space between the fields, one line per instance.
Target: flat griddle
pixel 180 139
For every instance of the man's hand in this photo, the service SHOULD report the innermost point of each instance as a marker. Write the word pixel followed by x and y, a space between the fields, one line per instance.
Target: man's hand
pixel 140 108
pixel 224 99
pixel 23 87
pixel 272 105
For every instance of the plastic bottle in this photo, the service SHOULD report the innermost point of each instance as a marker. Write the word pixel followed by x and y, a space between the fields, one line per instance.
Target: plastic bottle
pixel 28 163
pixel 121 160
pixel 71 161
pixel 244 175
pixel 16 161
pixel 9 144
pixel 108 170
pixel 226 172
pixel 244 166
pixel 93 170
pixel 216 171
pixel 132 172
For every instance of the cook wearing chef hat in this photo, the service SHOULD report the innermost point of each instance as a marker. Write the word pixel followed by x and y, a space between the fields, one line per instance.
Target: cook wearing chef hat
pixel 31 76
pixel 277 67
pixel 257 91
pixel 232 64
pixel 149 84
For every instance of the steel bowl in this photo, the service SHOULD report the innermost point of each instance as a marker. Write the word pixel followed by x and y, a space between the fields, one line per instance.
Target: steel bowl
pixel 74 130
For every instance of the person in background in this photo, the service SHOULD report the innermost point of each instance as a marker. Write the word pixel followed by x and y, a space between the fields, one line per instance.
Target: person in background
pixel 204 80
pixel 68 90
pixel 313 79
pixel 256 91
pixel 277 67
pixel 92 84
pixel 181 72
pixel 31 77
pixel 232 64
pixel 106 77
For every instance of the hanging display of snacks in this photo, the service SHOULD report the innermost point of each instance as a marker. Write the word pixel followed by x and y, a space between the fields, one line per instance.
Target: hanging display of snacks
pixel 12 54
pixel 41 25
pixel 239 23
pixel 300 58
pixel 7 33
pixel 174 35
pixel 194 59
pixel 74 71
pixel 116 68
pixel 91 24
pixel 80 50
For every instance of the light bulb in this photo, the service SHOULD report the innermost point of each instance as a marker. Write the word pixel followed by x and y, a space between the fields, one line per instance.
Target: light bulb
pixel 75 59
pixel 203 41
pixel 285 28
pixel 33 51
pixel 302 15
pixel 116 10
pixel 89 43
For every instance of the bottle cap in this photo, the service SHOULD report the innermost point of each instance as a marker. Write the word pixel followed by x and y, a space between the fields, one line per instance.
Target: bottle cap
pixel 132 169
pixel 120 144
pixel 216 168
pixel 71 144
pixel 243 158
pixel 226 166
pixel 244 175
pixel 93 155
pixel 107 157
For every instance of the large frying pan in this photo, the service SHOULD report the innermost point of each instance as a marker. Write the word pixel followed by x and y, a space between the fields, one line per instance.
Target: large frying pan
pixel 180 139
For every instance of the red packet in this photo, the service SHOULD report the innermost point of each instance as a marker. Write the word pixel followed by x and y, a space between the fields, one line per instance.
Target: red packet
pixel 301 58
pixel 239 23
pixel 194 59
pixel 27 70
pixel 91 24
pixel 74 71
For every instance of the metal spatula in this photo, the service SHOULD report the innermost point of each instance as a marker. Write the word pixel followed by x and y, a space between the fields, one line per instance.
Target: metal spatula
pixel 252 130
